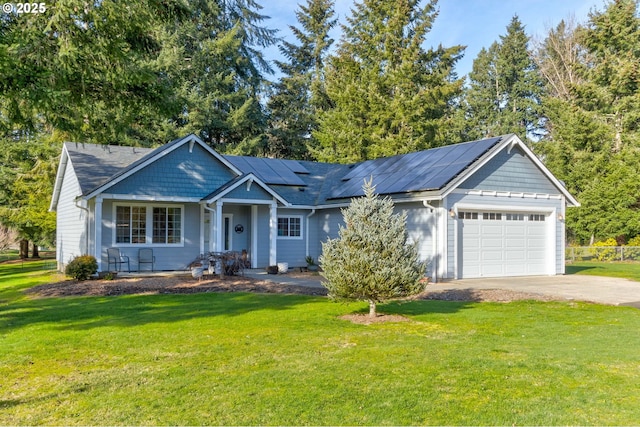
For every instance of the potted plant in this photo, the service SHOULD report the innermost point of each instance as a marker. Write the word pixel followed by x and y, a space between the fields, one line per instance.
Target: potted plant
pixel 311 264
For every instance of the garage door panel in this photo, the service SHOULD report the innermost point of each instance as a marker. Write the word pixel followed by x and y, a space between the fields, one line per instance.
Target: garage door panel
pixel 492 247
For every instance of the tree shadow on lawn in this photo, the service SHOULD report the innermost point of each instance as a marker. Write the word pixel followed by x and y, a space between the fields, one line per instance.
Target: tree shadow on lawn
pixel 575 269
pixel 135 310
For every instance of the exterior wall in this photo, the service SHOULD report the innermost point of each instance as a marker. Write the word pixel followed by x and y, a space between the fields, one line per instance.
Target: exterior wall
pixel 180 173
pixel 262 234
pixel 292 250
pixel 255 192
pixel 510 172
pixel 168 257
pixel 421 229
pixel 71 221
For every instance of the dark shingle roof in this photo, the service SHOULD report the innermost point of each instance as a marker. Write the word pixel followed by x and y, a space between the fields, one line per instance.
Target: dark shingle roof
pixel 95 165
pixel 302 183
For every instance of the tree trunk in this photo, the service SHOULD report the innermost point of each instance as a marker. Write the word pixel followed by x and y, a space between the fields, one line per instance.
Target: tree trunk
pixel 34 252
pixel 372 308
pixel 24 249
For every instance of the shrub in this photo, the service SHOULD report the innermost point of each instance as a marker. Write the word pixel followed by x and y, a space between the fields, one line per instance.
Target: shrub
pixel 370 260
pixel 82 267
pixel 633 252
pixel 604 250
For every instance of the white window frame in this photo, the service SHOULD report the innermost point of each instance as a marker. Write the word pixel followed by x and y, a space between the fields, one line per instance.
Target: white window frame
pixel 149 225
pixel 288 218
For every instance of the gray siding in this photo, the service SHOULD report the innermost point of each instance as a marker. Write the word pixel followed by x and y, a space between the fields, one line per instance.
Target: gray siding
pixel 420 227
pixel 255 193
pixel 180 173
pixel 263 236
pixel 510 172
pixel 293 250
pixel 71 221
pixel 241 216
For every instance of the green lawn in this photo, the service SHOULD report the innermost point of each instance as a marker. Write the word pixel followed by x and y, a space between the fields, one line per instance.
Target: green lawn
pixel 273 359
pixel 629 270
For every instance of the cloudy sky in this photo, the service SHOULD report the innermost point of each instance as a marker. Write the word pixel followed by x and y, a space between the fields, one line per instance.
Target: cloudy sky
pixel 473 23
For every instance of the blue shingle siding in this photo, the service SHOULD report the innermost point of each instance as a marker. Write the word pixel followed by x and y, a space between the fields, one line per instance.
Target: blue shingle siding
pixel 179 173
pixel 510 172
pixel 255 193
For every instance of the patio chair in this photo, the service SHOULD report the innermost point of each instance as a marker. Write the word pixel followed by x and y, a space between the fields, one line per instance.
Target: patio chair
pixel 114 257
pixel 145 256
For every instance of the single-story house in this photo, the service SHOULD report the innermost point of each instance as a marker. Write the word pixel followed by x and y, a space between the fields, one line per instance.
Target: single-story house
pixel 476 209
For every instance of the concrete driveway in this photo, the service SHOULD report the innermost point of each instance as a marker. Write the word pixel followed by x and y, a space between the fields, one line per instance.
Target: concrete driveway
pixel 605 290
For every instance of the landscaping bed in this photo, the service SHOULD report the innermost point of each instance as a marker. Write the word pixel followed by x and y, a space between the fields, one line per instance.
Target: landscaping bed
pixel 187 285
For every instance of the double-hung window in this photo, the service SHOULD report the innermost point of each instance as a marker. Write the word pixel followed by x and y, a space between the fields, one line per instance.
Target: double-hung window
pixel 148 224
pixel 290 227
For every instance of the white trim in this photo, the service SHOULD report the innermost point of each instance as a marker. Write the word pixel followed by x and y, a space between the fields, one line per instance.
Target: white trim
pixel 57 188
pixel 254 236
pixel 502 208
pixel 149 225
pixel 273 233
pixel 143 198
pixel 202 226
pixel 288 217
pixel 98 232
pixel 247 201
pixel 508 194
pixel 225 230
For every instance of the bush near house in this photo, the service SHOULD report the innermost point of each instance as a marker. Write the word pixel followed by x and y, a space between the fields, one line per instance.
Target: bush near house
pixel 82 267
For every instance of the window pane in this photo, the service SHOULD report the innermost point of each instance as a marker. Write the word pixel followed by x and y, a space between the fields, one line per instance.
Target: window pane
pixel 138 224
pixel 283 226
pixel 123 224
pixel 174 221
pixel 294 227
pixel 159 225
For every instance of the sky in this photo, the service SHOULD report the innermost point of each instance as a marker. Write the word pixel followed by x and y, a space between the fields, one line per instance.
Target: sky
pixel 472 23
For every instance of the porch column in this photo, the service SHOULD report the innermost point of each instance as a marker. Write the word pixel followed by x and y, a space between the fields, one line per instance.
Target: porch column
pixel 254 236
pixel 218 230
pixel 97 250
pixel 273 233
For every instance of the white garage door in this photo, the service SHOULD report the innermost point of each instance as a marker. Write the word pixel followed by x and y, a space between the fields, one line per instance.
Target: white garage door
pixel 498 244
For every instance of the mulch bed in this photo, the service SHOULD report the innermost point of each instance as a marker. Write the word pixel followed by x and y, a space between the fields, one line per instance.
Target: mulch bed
pixel 188 285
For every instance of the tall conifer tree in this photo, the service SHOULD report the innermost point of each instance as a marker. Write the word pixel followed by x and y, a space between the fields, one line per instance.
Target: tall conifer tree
pixel 388 94
pixel 300 95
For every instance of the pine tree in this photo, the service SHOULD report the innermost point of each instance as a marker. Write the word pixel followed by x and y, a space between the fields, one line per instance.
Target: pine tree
pixel 388 94
pixel 299 94
pixel 505 90
pixel 371 260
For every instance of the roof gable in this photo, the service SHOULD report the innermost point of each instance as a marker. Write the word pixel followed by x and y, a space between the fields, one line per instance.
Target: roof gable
pixel 188 142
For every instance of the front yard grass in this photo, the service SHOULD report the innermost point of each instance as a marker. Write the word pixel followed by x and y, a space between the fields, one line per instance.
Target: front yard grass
pixel 250 359
pixel 627 270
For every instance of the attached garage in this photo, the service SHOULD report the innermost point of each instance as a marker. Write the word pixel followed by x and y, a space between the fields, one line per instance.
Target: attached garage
pixel 496 244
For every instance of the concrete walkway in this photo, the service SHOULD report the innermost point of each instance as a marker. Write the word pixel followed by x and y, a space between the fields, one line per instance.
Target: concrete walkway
pixel 604 290
pixel 285 279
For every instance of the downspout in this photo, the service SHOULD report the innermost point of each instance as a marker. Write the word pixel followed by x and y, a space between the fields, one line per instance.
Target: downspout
pixel 426 204
pixel 313 211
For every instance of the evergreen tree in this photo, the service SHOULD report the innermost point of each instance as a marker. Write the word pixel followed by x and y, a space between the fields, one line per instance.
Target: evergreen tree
pixel 299 95
pixel 504 94
pixel 216 66
pixel 388 95
pixel 593 121
pixel 371 260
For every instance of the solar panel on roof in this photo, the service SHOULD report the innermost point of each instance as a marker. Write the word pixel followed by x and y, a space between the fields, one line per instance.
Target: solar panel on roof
pixel 425 170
